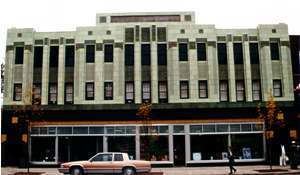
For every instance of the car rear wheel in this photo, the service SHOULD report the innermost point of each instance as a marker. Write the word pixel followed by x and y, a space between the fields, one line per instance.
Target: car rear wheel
pixel 128 171
pixel 76 171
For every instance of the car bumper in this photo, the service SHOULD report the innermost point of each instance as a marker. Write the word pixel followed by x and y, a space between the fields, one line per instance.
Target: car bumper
pixel 63 170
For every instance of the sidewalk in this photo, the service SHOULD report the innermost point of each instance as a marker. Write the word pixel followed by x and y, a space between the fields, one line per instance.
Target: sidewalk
pixel 218 170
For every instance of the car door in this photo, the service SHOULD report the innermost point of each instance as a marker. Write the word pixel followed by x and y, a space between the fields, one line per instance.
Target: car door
pixel 118 163
pixel 101 163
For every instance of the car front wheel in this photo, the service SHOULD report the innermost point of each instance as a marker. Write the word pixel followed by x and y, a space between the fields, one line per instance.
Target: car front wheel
pixel 76 171
pixel 128 171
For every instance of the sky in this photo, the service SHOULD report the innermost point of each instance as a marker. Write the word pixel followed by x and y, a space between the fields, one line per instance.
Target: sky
pixel 66 15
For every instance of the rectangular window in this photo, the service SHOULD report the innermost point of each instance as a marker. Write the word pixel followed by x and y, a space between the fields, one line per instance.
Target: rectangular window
pixel 274 48
pixel 224 90
pixel 162 91
pixel 19 55
pixel 129 35
pixel 162 54
pixel 69 56
pixel 254 53
pixel 256 94
pixel 129 92
pixel 90 53
pixel 36 93
pixel 52 95
pixel 201 51
pixel 222 53
pixel 161 34
pixel 183 51
pixel 108 90
pixel 203 89
pixel 54 50
pixel 89 91
pixel 240 90
pixel 17 92
pixel 146 91
pixel 129 54
pixel 238 53
pixel 277 89
pixel 108 53
pixel 146 54
pixel 145 34
pixel 38 56
pixel 184 89
pixel 69 93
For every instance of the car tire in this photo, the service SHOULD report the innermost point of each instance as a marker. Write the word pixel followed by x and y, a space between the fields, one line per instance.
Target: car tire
pixel 128 171
pixel 76 171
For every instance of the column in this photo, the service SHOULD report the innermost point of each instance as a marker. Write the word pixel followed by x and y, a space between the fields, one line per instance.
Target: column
pixel 170 70
pixel 45 75
pixel 61 75
pixel 173 84
pixel 213 71
pixel 137 72
pixel 187 144
pixel 193 68
pixel 137 144
pixel 171 144
pixel 154 73
pixel 56 149
pixel 79 95
pixel 8 78
pixel 247 71
pixel 231 71
pixel 105 146
pixel 287 78
pixel 27 75
pixel 99 61
pixel 266 70
pixel 118 76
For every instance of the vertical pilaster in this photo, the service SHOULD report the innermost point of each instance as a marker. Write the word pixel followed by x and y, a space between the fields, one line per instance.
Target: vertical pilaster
pixel 137 144
pixel 170 70
pixel 61 75
pixel 187 144
pixel 99 61
pixel 231 72
pixel 137 72
pixel 213 71
pixel 154 73
pixel 56 149
pixel 8 77
pixel 27 75
pixel 105 146
pixel 81 74
pixel 171 144
pixel 266 69
pixel 175 72
pixel 118 76
pixel 45 75
pixel 193 68
pixel 247 71
pixel 287 77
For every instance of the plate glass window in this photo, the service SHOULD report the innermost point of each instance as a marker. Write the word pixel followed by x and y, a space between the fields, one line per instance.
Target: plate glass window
pixel 184 89
pixel 69 93
pixel 129 92
pixel 52 93
pixel 146 92
pixel 203 89
pixel 89 91
pixel 17 92
pixel 108 90
pixel 163 91
pixel 256 94
pixel 240 90
pixel 223 90
pixel 277 89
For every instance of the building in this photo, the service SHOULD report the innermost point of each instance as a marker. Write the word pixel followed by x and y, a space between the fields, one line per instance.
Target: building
pixel 204 85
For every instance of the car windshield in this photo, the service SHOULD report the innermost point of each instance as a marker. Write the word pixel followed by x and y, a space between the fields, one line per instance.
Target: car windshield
pixel 102 157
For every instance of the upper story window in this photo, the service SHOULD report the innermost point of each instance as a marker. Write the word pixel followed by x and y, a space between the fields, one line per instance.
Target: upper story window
pixel 90 53
pixel 17 92
pixel 38 56
pixel 256 92
pixel 162 91
pixel 240 90
pixel 129 92
pixel 183 51
pixel 52 95
pixel 162 54
pixel 69 93
pixel 19 55
pixel 108 90
pixel 36 93
pixel 108 53
pixel 129 34
pixel 161 34
pixel 145 34
pixel 184 89
pixel 201 51
pixel 146 54
pixel 146 91
pixel 203 92
pixel 277 88
pixel 129 54
pixel 54 50
pixel 238 53
pixel 254 53
pixel 222 53
pixel 69 56
pixel 89 91
pixel 224 90
pixel 274 48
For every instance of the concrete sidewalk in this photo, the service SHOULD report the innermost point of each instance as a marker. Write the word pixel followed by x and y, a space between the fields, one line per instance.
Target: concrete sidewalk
pixel 218 170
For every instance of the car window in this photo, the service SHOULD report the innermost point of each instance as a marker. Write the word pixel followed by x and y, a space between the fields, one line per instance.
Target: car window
pixel 118 157
pixel 103 157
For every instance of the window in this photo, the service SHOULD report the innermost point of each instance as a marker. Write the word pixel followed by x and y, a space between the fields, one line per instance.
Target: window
pixel 19 55
pixel 118 157
pixel 69 93
pixel 146 91
pixel 17 92
pixel 203 89
pixel 146 54
pixel 182 31
pixel 238 53
pixel 129 35
pixel 38 56
pixel 129 92
pixel 256 95
pixel 254 53
pixel 161 34
pixel 162 91
pixel 90 32
pixel 145 34
pixel 162 54
pixel 201 51
pixel 108 53
pixel 222 53
pixel 274 47
pixel 102 158
pixel 224 90
pixel 54 56
pixel 52 96
pixel 277 89
pixel 89 91
pixel 90 53
pixel 69 56
pixel 183 52
pixel 240 90
pixel 108 90
pixel 36 93
pixel 129 54
pixel 184 89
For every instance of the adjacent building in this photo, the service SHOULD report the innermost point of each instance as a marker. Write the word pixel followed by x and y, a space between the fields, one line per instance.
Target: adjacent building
pixel 204 85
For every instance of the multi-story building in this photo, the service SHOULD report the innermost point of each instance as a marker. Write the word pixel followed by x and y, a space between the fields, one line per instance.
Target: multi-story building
pixel 204 85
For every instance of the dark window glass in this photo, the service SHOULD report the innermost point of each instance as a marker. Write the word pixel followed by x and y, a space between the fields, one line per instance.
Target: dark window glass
pixel 162 91
pixel 102 158
pixel 256 94
pixel 222 53
pixel 69 56
pixel 146 91
pixel 38 56
pixel 162 54
pixel 129 54
pixel 238 53
pixel 184 89
pixel 146 54
pixel 36 93
pixel 201 51
pixel 129 92
pixel 183 51
pixel 118 157
pixel 240 90
pixel 203 89
pixel 19 55
pixel 254 53
pixel 277 88
pixel 129 35
pixel 145 34
pixel 54 56
pixel 89 91
pixel 274 47
pixel 224 90
pixel 69 93
pixel 161 34
pixel 108 53
pixel 90 53
pixel 108 90
pixel 52 95
pixel 17 92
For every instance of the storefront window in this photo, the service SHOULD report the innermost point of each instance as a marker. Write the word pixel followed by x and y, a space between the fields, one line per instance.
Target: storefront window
pixel 154 148
pixel 247 146
pixel 43 149
pixel 122 144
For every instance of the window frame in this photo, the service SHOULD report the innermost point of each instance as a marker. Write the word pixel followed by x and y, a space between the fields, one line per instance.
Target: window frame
pixel 183 90
pixel 66 93
pixel 129 58
pixel 220 55
pixel 91 91
pixel 17 91
pixel 203 89
pixel 200 52
pixel 240 91
pixel 256 91
pixel 277 49
pixel 144 93
pixel 107 85
pixel 69 59
pixel 52 93
pixel 252 54
pixel 19 60
pixel 183 56
pixel 238 53
pixel 145 54
pixel 89 57
pixel 275 81
pixel 127 100
pixel 160 99
pixel 53 61
pixel 37 64
pixel 108 58
pixel 224 91
pixel 34 98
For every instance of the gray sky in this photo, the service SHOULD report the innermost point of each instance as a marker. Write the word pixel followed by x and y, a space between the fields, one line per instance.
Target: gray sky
pixel 64 15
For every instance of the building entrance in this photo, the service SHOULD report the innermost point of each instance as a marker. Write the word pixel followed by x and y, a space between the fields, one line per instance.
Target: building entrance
pixel 179 150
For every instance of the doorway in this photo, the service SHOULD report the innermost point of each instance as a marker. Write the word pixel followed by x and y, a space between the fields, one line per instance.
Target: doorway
pixel 179 150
